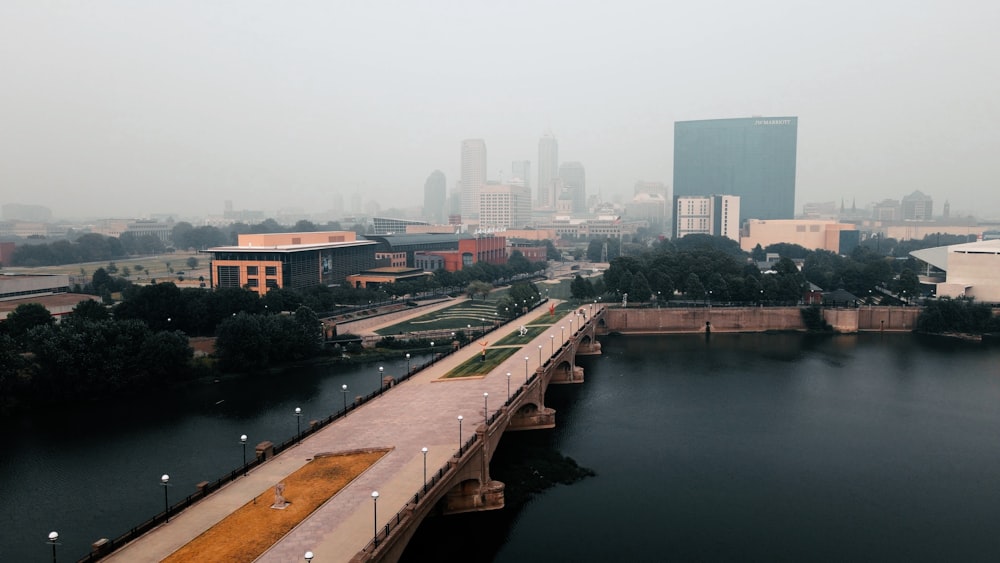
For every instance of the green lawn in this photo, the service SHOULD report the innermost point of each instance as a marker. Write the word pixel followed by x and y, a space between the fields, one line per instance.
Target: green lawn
pixel 475 367
pixel 516 338
pixel 458 316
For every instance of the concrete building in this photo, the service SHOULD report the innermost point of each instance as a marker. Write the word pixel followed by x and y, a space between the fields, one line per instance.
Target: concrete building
pixel 753 158
pixel 649 207
pixel 473 168
pixel 488 249
pixel 918 207
pixel 964 270
pixel 812 234
pixel 716 215
pixel 887 210
pixel 262 262
pixel 534 252
pixel 548 170
pixel 504 206
pixel 602 226
pixel 138 227
pixel 390 259
pixel 410 244
pixel 574 180
pixel 435 196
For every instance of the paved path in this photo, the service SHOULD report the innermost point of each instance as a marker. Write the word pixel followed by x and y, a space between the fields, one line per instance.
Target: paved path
pixel 421 411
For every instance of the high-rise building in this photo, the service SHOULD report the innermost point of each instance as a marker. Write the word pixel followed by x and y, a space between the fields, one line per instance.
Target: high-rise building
pixel 918 207
pixel 504 206
pixel 753 158
pixel 522 173
pixel 574 181
pixel 717 215
pixel 435 194
pixel 548 165
pixel 473 175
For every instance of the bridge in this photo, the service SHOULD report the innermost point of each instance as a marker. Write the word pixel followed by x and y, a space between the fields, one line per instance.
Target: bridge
pixel 452 476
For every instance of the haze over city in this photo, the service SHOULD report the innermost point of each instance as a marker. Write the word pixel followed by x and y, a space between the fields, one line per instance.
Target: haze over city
pixel 116 108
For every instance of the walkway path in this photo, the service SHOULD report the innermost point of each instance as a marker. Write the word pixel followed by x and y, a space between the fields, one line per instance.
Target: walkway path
pixel 421 411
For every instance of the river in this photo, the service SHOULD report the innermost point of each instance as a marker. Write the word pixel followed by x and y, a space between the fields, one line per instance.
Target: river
pixel 782 447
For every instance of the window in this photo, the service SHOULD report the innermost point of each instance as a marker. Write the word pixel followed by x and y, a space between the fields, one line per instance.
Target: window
pixel 252 282
pixel 228 276
pixel 270 271
pixel 271 284
pixel 251 270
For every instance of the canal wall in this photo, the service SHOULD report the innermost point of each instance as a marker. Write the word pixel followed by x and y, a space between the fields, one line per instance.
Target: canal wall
pixel 754 319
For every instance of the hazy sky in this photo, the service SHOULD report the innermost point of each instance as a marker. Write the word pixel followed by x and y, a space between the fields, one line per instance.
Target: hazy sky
pixel 132 107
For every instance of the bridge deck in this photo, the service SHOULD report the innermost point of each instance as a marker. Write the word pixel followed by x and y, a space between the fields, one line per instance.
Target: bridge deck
pixel 419 412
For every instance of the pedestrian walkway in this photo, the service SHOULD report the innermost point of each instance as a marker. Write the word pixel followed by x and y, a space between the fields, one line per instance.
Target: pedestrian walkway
pixel 420 412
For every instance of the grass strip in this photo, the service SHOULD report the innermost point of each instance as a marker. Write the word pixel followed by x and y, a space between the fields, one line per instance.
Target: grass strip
pixel 252 529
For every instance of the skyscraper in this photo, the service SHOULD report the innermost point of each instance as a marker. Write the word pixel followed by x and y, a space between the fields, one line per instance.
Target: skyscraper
pixel 435 193
pixel 473 175
pixel 504 206
pixel 753 158
pixel 574 181
pixel 548 164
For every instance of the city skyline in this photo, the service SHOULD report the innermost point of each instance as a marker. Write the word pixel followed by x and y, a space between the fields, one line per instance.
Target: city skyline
pixel 130 110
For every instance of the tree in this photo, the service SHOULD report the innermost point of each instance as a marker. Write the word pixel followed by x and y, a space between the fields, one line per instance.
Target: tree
pixel 192 262
pixel 640 288
pixel 519 263
pixel 90 310
pixel 24 318
pixel 581 288
pixel 693 288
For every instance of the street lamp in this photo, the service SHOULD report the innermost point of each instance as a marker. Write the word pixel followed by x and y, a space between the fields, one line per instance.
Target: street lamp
pixel 243 440
pixel 562 331
pixel 53 541
pixel 552 344
pixel 407 363
pixel 308 556
pixel 375 515
pixel 298 423
pixel 381 370
pixel 343 389
pixel 165 481
pixel 508 385
pixel 539 354
pixel 571 326
pixel 459 434
pixel 483 321
pixel 526 369
pixel 486 407
pixel 424 450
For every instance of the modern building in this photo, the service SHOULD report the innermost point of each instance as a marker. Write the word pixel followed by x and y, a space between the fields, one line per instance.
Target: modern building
pixel 548 170
pixel 504 206
pixel 603 226
pixel 753 158
pixel 390 259
pixel 918 207
pixel 716 215
pixel 411 244
pixel 489 249
pixel 473 175
pixel 533 251
pixel 435 197
pixel 138 227
pixel 650 207
pixel 812 234
pixel 574 180
pixel 377 277
pixel 48 290
pixel 887 210
pixel 964 270
pixel 261 262
pixel 389 225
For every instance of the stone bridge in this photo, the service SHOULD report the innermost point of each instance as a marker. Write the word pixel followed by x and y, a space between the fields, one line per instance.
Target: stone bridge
pixel 465 485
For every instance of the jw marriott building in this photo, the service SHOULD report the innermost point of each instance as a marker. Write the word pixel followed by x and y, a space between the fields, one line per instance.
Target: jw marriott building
pixel 753 158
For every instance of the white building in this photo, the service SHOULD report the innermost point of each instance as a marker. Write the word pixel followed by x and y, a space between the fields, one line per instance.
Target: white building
pixel 473 175
pixel 970 270
pixel 717 215
pixel 504 206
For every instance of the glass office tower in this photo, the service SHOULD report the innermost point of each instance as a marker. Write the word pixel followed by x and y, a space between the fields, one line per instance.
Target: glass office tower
pixel 753 158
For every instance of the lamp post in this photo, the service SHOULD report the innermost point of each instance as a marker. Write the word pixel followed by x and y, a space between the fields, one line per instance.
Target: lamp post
pixel 562 331
pixel 552 344
pixel 375 515
pixel 459 434
pixel 165 482
pixel 298 424
pixel 308 556
pixel 407 363
pixel 343 390
pixel 483 321
pixel 53 541
pixel 539 354
pixel 486 407
pixel 526 369
pixel 424 451
pixel 657 299
pixel 508 385
pixel 381 370
pixel 243 440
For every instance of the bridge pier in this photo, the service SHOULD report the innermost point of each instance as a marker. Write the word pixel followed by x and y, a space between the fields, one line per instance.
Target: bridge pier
pixel 473 496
